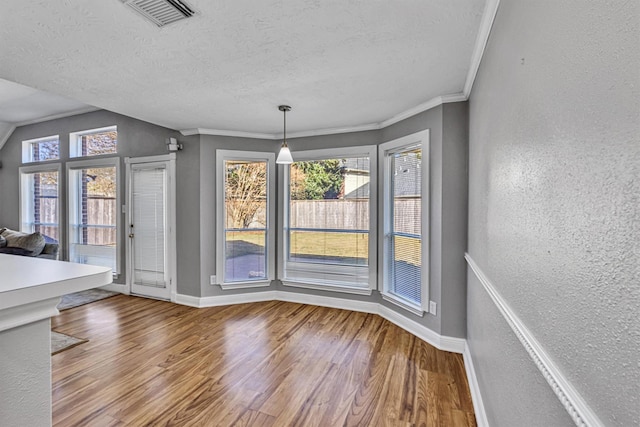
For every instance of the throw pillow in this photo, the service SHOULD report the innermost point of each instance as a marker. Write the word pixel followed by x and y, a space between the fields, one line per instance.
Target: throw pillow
pixel 16 251
pixel 33 242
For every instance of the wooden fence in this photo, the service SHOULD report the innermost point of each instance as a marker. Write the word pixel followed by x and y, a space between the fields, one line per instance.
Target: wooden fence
pixel 344 214
pixel 100 212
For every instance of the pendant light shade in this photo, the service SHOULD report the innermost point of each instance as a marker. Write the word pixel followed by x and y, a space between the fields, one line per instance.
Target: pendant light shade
pixel 284 157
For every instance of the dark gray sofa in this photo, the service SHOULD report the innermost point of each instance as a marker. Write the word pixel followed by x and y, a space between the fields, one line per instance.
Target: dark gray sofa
pixel 27 244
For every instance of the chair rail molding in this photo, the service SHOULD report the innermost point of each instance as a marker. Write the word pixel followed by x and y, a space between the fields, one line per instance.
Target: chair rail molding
pixel 572 401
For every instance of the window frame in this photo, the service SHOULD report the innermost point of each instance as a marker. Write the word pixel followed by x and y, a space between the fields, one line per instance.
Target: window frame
pixel 27 152
pixel 321 271
pixel 75 149
pixel 22 202
pixel 241 155
pixel 89 163
pixel 386 150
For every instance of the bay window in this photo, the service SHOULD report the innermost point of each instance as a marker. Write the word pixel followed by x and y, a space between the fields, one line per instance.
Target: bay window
pixel 246 219
pixel 405 173
pixel 329 231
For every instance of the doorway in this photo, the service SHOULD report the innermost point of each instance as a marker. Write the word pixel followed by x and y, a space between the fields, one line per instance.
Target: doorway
pixel 151 248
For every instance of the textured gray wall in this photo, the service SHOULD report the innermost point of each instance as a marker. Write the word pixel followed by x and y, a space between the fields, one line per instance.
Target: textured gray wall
pixel 188 217
pixel 554 196
pixel 513 391
pixel 455 149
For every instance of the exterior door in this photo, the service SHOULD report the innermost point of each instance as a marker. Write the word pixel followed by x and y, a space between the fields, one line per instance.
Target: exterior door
pixel 151 249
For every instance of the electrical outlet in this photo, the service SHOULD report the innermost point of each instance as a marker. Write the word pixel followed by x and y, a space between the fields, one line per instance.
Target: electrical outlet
pixel 212 280
pixel 433 307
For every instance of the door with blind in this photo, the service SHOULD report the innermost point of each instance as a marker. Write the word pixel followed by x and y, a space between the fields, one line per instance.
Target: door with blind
pixel 151 249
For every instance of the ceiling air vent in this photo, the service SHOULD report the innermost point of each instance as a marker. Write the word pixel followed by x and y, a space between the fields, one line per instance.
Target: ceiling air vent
pixel 161 12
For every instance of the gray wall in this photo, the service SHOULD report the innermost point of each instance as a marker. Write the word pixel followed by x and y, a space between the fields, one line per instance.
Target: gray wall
pixel 554 196
pixel 135 138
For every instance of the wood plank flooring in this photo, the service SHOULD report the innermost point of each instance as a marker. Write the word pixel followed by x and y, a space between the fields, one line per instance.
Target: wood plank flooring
pixel 153 363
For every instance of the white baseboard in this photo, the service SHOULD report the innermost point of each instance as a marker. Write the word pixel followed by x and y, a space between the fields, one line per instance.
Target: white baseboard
pixel 116 287
pixel 474 387
pixel 573 402
pixel 188 300
pixel 237 298
pixel 331 302
pixel 446 343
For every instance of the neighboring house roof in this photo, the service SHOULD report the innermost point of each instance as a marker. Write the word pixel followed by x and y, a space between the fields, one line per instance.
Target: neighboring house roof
pixel 356 164
pixel 409 167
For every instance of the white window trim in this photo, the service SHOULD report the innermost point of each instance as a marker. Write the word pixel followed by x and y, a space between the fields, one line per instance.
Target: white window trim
pixel 270 158
pixel 22 203
pixel 96 163
pixel 422 139
pixel 26 149
pixel 74 143
pixel 323 284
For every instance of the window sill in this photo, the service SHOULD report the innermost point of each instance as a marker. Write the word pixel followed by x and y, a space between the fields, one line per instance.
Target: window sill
pixel 412 308
pixel 327 287
pixel 242 285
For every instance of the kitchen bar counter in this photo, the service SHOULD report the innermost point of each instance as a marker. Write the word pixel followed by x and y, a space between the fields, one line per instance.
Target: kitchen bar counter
pixel 30 290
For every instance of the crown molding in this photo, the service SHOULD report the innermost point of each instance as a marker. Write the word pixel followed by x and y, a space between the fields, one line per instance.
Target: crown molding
pixel 444 99
pixel 6 134
pixel 224 132
pixel 88 109
pixel 488 16
pixel 486 24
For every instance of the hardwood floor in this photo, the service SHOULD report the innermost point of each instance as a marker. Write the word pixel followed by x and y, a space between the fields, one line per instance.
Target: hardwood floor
pixel 155 363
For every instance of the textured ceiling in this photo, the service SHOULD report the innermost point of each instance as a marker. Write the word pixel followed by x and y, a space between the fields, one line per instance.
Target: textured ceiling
pixel 337 63
pixel 22 104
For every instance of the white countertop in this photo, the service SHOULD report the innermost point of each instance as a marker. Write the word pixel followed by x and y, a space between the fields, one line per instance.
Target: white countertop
pixel 25 280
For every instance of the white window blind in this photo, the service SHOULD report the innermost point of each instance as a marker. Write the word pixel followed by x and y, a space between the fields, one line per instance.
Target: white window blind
pixel 406 236
pixel 405 222
pixel 149 224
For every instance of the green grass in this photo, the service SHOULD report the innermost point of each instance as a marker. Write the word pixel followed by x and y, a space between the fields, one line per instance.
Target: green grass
pixel 353 246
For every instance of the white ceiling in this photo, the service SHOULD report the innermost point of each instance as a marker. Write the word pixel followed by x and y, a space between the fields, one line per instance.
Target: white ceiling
pixel 21 104
pixel 338 63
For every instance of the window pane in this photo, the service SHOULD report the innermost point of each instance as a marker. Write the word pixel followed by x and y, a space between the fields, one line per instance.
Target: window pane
pixel 338 247
pixel 245 255
pixel 45 150
pixel 99 143
pixel 40 213
pixel 41 149
pixel 94 142
pixel 329 211
pixel 93 222
pixel 245 220
pixel 406 178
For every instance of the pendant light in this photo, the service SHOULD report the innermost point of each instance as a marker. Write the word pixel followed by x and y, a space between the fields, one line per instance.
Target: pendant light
pixel 284 157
